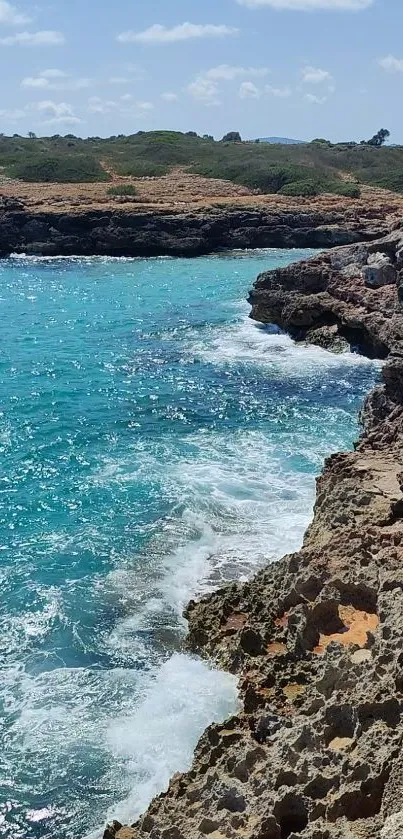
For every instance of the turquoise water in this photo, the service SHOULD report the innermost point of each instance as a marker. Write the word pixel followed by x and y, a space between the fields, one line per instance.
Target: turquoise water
pixel 154 443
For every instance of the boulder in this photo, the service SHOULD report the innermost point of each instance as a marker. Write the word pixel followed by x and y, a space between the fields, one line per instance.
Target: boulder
pixel 379 271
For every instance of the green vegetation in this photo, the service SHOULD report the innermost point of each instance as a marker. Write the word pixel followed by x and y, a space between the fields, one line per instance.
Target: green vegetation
pixel 66 169
pixel 349 190
pixel 303 188
pixel 121 190
pixel 232 137
pixel 299 170
pixel 379 138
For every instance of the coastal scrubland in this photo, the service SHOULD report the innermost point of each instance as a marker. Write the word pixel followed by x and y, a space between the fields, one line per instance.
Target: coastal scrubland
pixel 307 169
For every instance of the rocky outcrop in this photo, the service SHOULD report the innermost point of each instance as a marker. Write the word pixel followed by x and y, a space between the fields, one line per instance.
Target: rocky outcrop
pixel 353 291
pixel 189 233
pixel 316 750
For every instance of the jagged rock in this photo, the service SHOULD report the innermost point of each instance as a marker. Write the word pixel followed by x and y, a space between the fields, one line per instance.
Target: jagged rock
pixel 379 271
pixel 330 291
pixel 327 337
pixel 120 232
pixel 112 829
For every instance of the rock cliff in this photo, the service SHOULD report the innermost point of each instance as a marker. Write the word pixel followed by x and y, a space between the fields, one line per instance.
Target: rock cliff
pixel 191 232
pixel 316 751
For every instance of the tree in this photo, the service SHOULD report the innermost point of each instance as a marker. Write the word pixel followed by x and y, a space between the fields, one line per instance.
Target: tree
pixel 232 137
pixel 32 135
pixel 380 138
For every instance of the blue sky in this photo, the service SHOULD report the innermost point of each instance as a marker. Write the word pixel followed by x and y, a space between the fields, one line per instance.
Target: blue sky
pixel 298 68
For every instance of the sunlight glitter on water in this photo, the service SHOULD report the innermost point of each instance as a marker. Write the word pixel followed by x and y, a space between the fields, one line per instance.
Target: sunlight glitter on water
pixel 155 444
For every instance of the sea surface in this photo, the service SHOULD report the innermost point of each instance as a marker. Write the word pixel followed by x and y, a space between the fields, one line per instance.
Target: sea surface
pixel 154 444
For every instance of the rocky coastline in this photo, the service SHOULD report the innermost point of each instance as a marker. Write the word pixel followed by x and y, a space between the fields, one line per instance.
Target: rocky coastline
pixel 316 751
pixel 193 231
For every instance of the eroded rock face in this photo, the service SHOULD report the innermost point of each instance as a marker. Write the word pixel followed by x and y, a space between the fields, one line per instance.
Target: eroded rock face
pixel 188 233
pixel 356 291
pixel 317 639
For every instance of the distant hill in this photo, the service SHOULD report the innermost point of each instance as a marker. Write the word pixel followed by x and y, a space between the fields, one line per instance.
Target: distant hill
pixel 282 141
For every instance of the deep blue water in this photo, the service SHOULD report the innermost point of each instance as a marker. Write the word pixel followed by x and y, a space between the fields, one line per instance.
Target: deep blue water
pixel 154 443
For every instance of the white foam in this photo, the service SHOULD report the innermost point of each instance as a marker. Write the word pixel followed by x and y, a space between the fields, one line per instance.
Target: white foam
pixel 159 738
pixel 247 341
pixel 144 726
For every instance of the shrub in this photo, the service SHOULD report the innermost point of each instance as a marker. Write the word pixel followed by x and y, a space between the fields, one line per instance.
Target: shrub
pixel 122 190
pixel 349 190
pixel 300 188
pixel 232 137
pixel 66 169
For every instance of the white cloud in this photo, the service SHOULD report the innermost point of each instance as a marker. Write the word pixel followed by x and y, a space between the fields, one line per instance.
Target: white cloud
pixel 205 87
pixel 74 84
pixel 50 112
pixel 248 90
pixel 31 81
pixel 314 75
pixel 53 73
pixel 9 15
pixel 280 92
pixel 126 106
pixel 34 39
pixel 55 112
pixel 159 34
pixel 12 115
pixel 204 90
pixel 226 72
pixel 169 97
pixel 101 106
pixel 391 64
pixel 47 77
pixel 310 5
pixel 315 100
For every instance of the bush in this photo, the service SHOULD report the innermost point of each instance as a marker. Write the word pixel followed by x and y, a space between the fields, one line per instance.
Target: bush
pixel 122 190
pixel 232 137
pixel 349 190
pixel 300 188
pixel 66 169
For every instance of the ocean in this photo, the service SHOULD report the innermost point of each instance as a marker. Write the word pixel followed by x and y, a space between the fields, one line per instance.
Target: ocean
pixel 155 443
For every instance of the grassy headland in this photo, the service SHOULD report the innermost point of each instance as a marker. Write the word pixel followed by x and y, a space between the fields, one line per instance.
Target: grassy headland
pixel 307 169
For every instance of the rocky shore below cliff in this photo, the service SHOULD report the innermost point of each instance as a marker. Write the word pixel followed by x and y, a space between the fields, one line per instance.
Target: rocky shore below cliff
pixel 316 751
pixel 193 231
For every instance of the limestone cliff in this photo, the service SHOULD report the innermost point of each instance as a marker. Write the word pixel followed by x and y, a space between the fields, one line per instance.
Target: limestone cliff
pixel 317 639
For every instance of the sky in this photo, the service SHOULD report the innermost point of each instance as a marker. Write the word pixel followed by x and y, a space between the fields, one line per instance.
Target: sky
pixel 296 68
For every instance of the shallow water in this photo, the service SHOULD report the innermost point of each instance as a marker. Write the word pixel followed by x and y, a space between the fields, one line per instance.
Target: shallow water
pixel 154 443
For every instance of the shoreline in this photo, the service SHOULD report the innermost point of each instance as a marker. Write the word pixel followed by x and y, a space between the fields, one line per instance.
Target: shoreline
pixel 316 638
